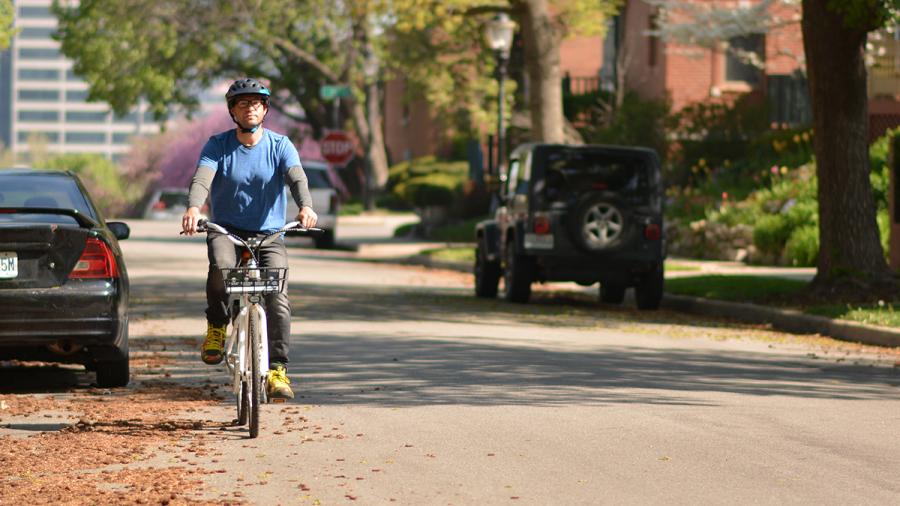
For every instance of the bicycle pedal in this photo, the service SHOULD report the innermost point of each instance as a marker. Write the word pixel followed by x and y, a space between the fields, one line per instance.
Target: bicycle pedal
pixel 278 400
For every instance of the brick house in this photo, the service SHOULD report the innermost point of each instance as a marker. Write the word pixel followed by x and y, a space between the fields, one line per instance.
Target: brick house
pixel 657 69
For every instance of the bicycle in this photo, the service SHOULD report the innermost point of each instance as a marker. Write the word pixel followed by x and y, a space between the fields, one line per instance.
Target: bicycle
pixel 247 346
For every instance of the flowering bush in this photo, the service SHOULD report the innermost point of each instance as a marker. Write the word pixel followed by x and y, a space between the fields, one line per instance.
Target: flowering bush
pixel 782 215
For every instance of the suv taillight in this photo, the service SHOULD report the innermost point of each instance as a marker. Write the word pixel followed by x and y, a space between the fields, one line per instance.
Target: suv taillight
pixel 652 232
pixel 541 225
pixel 97 261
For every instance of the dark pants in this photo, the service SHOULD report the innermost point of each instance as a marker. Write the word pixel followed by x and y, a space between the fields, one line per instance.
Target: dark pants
pixel 223 253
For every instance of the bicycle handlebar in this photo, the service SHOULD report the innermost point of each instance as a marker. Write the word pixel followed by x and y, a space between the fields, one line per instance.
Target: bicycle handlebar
pixel 254 245
pixel 294 226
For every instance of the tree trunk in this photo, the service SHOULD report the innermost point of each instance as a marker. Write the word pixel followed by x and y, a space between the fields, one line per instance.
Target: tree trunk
pixel 367 122
pixel 542 41
pixel 848 233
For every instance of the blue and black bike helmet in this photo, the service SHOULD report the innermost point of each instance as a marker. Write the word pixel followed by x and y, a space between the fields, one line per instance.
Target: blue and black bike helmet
pixel 246 86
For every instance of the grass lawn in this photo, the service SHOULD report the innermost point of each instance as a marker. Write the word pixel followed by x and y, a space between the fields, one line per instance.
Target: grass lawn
pixel 453 254
pixel 884 315
pixel 767 290
pixel 675 266
pixel 734 288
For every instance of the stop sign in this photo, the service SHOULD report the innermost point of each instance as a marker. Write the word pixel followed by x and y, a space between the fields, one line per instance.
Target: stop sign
pixel 337 147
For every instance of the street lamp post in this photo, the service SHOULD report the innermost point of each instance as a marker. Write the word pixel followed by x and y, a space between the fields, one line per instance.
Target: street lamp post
pixel 499 34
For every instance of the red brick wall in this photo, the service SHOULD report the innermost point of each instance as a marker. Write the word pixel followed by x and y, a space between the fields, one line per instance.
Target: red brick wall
pixel 648 81
pixel 409 129
pixel 691 74
pixel 784 45
pixel 581 56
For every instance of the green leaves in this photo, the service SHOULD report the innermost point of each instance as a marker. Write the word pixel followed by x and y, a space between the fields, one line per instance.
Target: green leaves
pixel 866 15
pixel 160 51
pixel 6 23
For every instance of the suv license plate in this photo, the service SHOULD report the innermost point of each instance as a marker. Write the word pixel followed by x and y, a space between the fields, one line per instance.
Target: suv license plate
pixel 539 241
pixel 9 264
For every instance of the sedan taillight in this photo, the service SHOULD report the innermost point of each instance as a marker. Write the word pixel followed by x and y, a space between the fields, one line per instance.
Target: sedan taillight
pixel 97 261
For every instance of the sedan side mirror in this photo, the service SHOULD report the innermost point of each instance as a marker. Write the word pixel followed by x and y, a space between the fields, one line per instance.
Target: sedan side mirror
pixel 119 229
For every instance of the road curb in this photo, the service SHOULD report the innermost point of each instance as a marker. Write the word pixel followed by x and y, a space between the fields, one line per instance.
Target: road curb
pixel 788 320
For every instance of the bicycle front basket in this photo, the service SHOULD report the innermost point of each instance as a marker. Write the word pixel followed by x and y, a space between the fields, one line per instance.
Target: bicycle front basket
pixel 254 280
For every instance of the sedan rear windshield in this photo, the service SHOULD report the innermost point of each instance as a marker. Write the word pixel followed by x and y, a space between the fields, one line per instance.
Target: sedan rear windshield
pixel 584 170
pixel 41 191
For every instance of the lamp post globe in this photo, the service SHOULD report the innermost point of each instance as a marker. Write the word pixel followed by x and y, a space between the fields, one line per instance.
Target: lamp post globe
pixel 499 35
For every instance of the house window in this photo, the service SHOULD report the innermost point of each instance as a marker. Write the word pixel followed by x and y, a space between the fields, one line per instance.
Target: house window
pixel 652 40
pixel 745 50
pixel 405 114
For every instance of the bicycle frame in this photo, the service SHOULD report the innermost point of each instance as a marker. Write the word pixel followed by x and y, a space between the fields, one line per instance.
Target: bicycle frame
pixel 237 345
pixel 249 282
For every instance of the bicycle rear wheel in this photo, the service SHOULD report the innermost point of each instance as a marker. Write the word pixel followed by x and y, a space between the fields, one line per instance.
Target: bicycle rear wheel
pixel 256 391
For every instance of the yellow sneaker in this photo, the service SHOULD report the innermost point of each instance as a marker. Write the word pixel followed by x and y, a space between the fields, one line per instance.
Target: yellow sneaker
pixel 213 349
pixel 278 386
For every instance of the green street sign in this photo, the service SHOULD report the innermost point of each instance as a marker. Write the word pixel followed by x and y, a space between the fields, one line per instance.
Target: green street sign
pixel 333 91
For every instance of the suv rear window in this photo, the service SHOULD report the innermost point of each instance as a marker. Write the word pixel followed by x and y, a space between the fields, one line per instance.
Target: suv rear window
pixel 581 170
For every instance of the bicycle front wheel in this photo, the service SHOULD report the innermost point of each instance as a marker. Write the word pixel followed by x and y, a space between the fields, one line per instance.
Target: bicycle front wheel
pixel 243 403
pixel 256 390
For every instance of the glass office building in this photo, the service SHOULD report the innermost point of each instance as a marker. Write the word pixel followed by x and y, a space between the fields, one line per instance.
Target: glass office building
pixel 43 101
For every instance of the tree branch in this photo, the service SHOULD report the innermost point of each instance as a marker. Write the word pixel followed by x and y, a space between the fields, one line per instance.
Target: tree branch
pixel 302 55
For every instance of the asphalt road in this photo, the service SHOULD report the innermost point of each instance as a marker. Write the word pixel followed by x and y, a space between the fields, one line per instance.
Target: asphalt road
pixel 412 391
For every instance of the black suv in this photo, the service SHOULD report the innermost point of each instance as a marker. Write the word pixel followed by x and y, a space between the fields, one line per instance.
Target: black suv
pixel 576 213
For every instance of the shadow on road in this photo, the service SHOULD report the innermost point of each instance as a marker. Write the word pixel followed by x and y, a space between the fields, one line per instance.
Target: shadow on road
pixel 386 371
pixel 412 370
pixel 30 378
pixel 185 298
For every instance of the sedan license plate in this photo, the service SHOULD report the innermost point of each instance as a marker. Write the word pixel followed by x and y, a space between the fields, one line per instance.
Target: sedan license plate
pixel 539 241
pixel 9 264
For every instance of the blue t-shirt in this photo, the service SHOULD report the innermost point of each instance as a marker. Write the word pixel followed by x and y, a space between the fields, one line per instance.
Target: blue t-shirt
pixel 247 191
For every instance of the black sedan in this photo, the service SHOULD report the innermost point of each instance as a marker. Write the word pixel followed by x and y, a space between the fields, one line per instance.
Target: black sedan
pixel 63 283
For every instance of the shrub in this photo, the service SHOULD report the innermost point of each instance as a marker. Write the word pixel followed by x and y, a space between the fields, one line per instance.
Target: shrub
pixel 430 190
pixel 880 171
pixel 802 248
pixel 427 181
pixel 638 122
pixel 101 178
pixel 770 234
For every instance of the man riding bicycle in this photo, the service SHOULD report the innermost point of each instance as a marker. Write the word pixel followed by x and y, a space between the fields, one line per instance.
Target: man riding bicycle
pixel 243 172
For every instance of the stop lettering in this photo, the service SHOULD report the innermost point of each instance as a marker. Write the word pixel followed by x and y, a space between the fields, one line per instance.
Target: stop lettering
pixel 337 147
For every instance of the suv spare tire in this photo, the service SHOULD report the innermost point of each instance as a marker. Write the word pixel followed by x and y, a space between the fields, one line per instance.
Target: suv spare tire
pixel 598 223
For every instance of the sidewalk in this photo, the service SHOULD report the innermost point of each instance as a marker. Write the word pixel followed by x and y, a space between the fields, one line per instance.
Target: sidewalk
pixel 408 251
